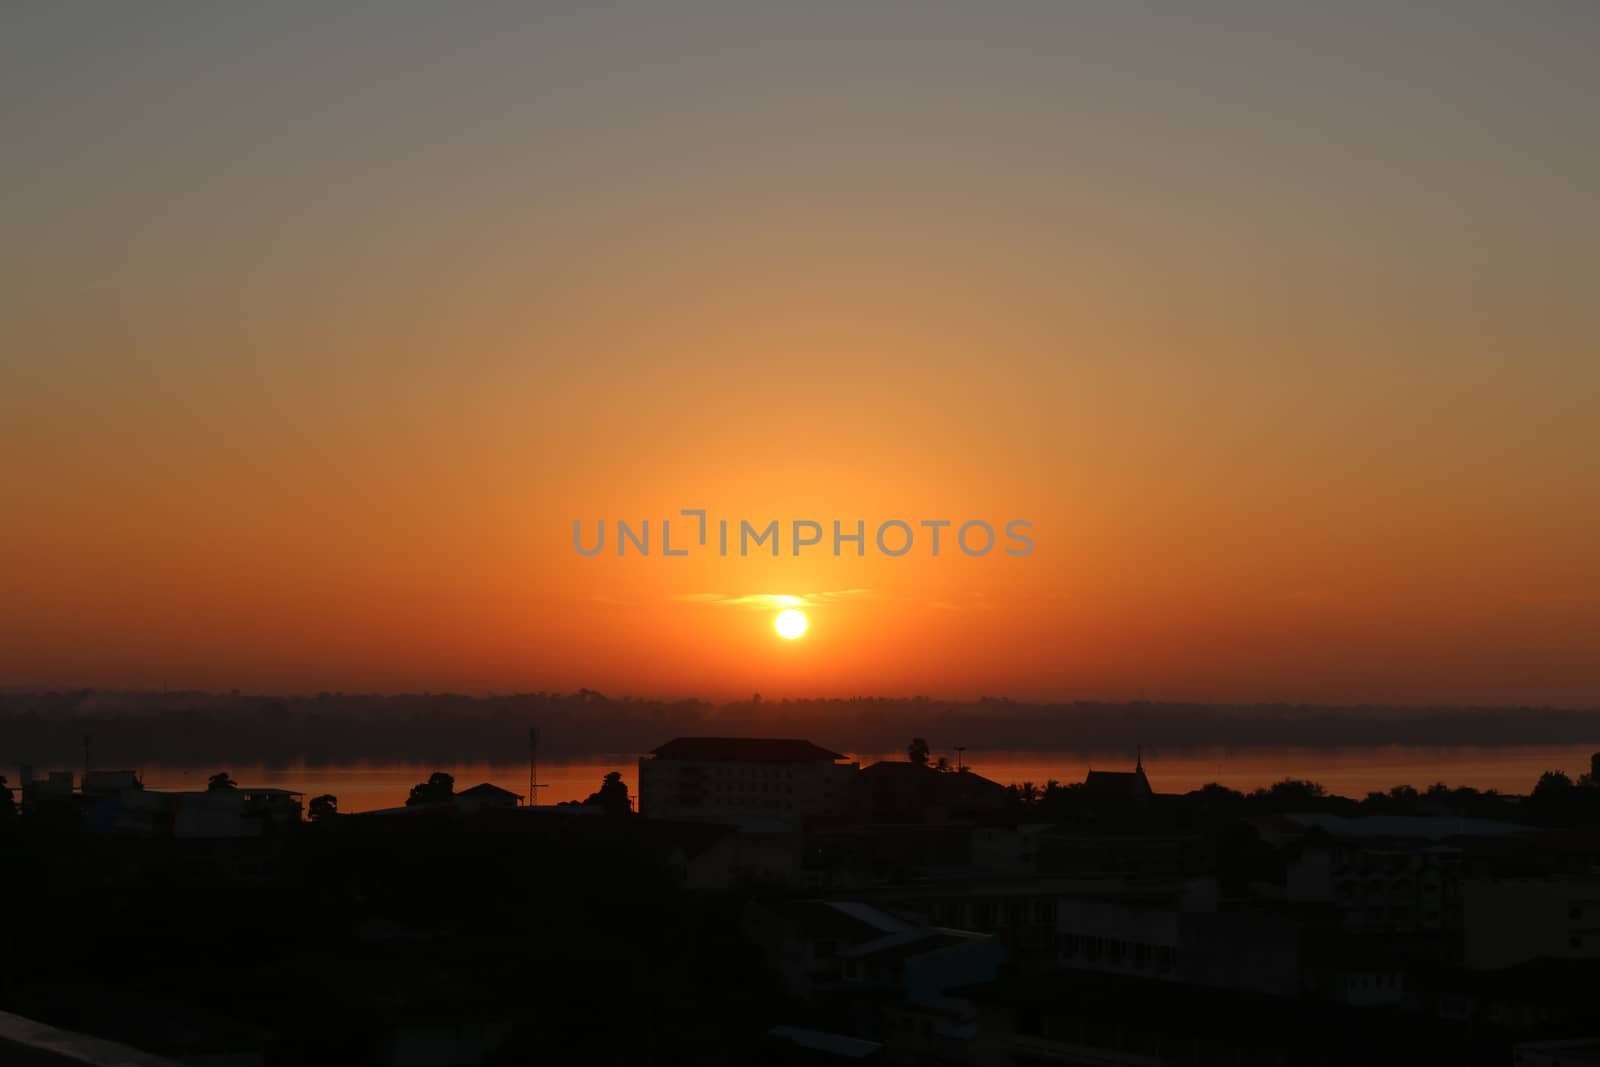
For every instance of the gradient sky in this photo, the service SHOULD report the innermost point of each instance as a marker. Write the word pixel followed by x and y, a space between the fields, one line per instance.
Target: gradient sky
pixel 1278 321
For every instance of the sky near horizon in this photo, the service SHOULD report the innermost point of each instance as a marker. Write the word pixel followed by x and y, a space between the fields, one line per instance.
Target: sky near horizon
pixel 1277 321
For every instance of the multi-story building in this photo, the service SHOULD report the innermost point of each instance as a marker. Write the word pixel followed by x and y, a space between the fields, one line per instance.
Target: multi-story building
pixel 744 779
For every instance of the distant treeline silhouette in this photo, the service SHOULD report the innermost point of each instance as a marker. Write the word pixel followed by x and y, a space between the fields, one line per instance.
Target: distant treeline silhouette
pixel 134 729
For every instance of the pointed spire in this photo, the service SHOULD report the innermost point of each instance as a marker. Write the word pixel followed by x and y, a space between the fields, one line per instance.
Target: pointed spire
pixel 1138 759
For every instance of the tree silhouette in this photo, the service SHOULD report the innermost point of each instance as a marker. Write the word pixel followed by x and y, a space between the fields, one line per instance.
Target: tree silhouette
pixel 1557 801
pixel 323 807
pixel 1289 793
pixel 1025 793
pixel 917 751
pixel 1553 785
pixel 8 802
pixel 440 788
pixel 220 782
pixel 1218 798
pixel 1592 779
pixel 613 795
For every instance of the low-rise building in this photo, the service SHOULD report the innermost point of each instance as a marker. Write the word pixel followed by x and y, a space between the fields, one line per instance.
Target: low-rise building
pixel 1513 920
pixel 1126 790
pixel 1582 1052
pixel 487 795
pixel 805 941
pixel 923 962
pixel 899 790
pixel 239 812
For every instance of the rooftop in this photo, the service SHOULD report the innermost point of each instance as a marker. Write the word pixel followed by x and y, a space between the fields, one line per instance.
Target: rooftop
pixel 841 1045
pixel 1423 827
pixel 237 791
pixel 45 1043
pixel 1122 784
pixel 890 768
pixel 1582 1050
pixel 908 944
pixel 842 919
pixel 745 750
pixel 488 791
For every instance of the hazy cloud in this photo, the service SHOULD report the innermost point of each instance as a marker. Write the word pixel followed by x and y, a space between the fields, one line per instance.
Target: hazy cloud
pixel 774 601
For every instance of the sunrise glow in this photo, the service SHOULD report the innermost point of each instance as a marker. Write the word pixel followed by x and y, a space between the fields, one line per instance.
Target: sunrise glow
pixel 790 624
pixel 1113 423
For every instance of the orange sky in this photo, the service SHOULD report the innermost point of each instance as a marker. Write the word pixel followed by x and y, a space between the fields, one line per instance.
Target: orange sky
pixel 319 337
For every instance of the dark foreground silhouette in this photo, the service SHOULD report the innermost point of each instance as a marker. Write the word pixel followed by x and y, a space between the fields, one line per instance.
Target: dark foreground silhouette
pixel 818 912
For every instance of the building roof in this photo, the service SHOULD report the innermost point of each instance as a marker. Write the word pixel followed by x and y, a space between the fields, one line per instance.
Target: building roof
pixel 841 1045
pixel 909 944
pixel 891 768
pixel 236 791
pixel 745 750
pixel 51 1044
pixel 693 838
pixel 1251 1021
pixel 488 791
pixel 1423 827
pixel 841 920
pixel 916 772
pixel 1123 783
pixel 1582 1050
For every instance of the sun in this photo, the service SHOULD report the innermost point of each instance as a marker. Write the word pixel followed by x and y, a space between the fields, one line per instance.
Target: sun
pixel 790 624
